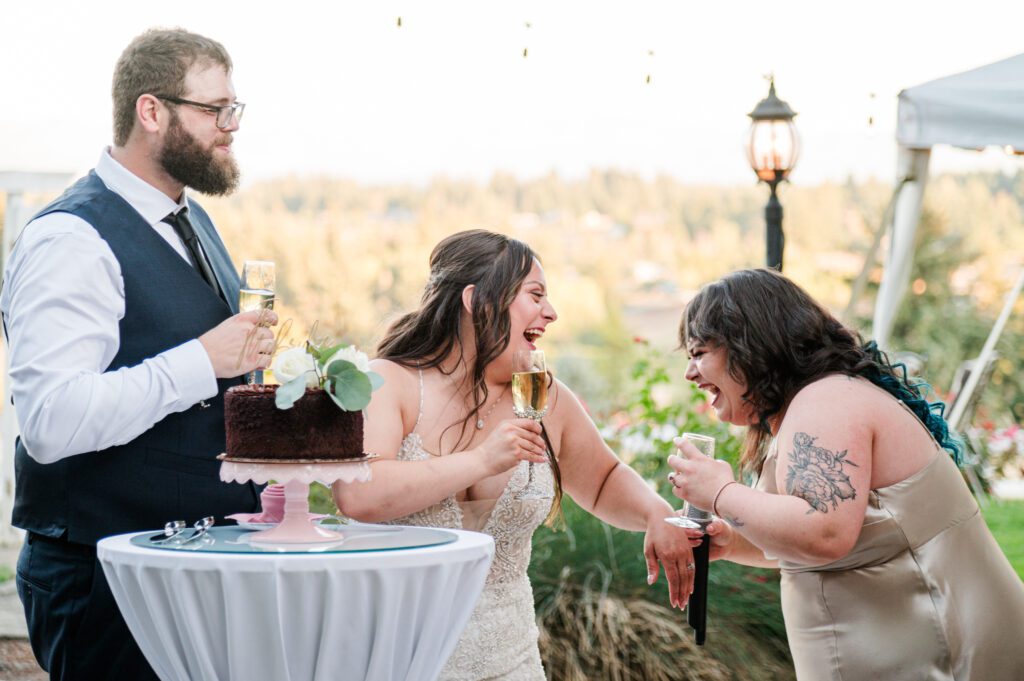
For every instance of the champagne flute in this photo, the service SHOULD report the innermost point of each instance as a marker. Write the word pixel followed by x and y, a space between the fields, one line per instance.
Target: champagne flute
pixel 258 280
pixel 530 401
pixel 257 292
pixel 692 517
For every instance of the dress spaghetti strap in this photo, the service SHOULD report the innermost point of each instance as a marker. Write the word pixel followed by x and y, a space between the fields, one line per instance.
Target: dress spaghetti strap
pixel 420 414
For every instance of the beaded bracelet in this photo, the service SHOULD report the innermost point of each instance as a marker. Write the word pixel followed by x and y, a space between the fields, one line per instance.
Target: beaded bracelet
pixel 714 504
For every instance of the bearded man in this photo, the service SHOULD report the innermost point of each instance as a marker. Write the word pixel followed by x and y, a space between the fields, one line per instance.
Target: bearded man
pixel 120 308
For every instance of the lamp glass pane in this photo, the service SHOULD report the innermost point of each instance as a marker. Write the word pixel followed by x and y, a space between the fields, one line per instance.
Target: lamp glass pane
pixel 772 148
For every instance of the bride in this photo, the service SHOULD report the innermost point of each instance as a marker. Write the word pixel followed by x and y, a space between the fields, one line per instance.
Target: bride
pixel 453 455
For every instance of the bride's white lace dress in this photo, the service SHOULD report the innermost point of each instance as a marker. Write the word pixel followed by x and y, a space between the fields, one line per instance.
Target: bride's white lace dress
pixel 500 641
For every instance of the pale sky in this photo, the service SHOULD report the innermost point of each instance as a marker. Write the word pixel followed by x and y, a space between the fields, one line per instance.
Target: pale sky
pixel 338 88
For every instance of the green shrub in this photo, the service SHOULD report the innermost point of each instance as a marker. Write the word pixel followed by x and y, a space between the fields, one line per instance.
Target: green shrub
pixel 320 500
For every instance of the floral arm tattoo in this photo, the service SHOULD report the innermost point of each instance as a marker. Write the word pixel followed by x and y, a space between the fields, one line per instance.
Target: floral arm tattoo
pixel 817 475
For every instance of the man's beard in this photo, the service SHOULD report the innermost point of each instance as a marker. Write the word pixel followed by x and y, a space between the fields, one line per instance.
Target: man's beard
pixel 185 159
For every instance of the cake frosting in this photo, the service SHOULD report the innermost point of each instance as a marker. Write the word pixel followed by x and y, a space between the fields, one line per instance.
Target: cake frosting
pixel 314 427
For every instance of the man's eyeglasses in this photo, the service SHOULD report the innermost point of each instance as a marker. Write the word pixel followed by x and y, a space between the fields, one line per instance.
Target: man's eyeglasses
pixel 224 113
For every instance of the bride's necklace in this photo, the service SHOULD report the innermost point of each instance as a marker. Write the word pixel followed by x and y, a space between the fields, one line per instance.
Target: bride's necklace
pixel 480 421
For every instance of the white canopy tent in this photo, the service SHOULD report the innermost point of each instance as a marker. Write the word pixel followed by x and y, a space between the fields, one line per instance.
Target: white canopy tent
pixel 973 110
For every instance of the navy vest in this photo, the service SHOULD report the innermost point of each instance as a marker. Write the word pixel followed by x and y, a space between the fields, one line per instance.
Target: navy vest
pixel 170 472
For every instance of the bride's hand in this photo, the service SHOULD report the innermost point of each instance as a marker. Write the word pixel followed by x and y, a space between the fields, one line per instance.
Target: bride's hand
pixel 510 442
pixel 673 547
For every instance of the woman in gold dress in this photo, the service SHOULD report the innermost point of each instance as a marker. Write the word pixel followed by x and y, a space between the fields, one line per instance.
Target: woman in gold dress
pixel 888 569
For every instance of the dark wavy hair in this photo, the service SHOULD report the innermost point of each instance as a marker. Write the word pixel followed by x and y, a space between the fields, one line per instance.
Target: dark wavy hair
pixel 778 339
pixel 496 266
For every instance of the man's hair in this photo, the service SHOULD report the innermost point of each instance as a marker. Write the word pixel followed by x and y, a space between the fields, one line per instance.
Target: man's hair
pixel 157 62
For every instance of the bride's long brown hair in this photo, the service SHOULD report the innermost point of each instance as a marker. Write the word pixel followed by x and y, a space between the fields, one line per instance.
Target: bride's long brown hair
pixel 496 266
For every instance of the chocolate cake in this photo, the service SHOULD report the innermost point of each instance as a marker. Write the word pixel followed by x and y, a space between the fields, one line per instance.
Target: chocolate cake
pixel 314 428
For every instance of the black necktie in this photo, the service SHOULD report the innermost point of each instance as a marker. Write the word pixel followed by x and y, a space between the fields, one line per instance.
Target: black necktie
pixel 183 228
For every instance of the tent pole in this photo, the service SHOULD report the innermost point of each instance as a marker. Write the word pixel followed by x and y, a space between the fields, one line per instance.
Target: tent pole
pixel 857 290
pixel 962 400
pixel 913 165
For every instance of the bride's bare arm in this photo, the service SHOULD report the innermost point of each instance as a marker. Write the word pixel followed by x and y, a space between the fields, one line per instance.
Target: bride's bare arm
pixel 399 488
pixel 600 483
pixel 595 477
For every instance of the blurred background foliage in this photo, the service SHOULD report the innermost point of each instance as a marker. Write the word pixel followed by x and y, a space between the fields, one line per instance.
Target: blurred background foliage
pixel 623 253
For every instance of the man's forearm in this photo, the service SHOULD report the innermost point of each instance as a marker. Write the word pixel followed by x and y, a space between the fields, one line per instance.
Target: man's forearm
pixel 88 411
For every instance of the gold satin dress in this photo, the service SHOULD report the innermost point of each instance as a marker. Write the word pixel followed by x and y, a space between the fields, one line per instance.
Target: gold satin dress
pixel 925 594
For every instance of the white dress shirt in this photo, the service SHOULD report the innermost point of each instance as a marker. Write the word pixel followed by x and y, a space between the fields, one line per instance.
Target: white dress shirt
pixel 62 301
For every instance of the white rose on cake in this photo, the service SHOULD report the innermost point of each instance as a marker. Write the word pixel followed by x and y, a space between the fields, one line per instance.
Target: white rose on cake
pixel 295 362
pixel 341 371
pixel 350 354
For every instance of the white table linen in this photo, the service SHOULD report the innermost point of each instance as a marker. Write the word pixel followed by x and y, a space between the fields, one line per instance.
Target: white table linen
pixel 377 615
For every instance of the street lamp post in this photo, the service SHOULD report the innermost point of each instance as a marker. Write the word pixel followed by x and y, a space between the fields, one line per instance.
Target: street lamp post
pixel 772 149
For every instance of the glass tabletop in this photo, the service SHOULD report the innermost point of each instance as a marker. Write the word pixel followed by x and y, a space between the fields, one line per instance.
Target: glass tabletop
pixel 358 539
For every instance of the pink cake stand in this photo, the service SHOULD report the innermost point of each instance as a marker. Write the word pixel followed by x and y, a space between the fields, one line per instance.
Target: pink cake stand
pixel 296 476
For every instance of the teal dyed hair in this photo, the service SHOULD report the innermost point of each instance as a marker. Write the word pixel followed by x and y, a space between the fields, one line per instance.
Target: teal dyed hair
pixel 913 394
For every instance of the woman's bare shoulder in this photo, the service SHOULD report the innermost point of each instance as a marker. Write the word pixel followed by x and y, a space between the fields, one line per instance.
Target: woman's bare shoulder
pixel 396 376
pixel 839 399
pixel 386 367
pixel 836 389
pixel 563 400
